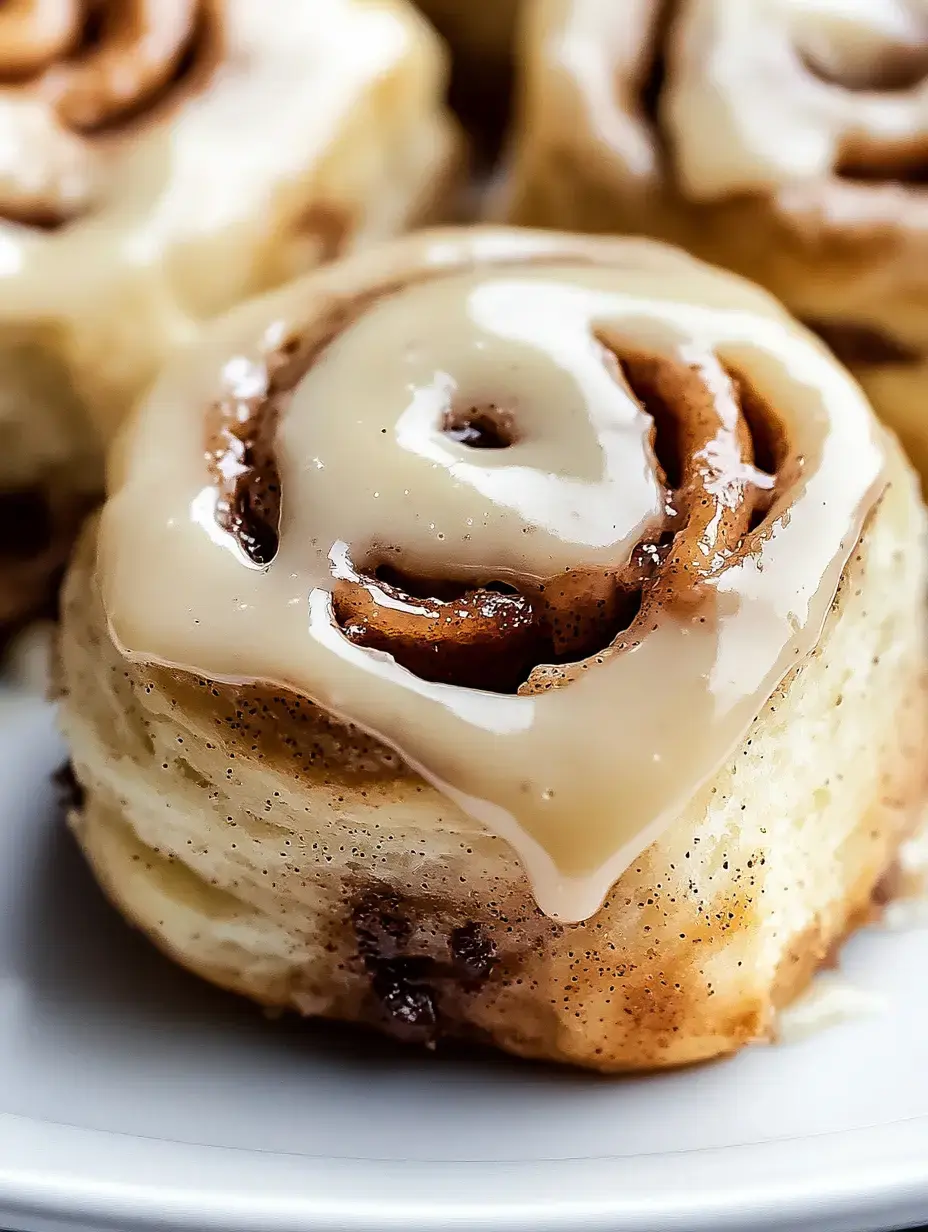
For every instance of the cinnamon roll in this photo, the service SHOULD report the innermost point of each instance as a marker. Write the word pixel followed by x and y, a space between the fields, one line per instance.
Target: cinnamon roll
pixel 508 635
pixel 159 161
pixel 787 141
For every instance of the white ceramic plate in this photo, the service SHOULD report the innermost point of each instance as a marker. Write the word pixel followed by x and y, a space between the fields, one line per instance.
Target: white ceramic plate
pixel 132 1097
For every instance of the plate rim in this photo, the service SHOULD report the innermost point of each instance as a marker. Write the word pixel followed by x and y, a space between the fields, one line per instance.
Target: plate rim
pixel 65 1176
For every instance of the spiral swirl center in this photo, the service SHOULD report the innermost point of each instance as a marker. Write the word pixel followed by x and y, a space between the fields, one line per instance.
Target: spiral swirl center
pixel 837 93
pixel 70 69
pixel 96 62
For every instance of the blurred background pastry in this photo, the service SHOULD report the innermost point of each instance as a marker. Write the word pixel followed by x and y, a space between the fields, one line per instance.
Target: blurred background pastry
pixel 159 161
pixel 785 140
pixel 503 634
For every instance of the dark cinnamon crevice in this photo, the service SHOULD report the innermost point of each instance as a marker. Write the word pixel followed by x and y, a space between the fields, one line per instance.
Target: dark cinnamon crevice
pixel 878 163
pixel 641 373
pixel 408 987
pixel 39 218
pixel 769 439
pixel 758 516
pixel 194 70
pixel 691 440
pixel 93 30
pixel 241 429
pixel 102 23
pixel 857 343
pixel 489 636
pixel 482 425
pixel 655 75
pixel 705 417
pixel 481 97
pixel 914 173
pixel 242 459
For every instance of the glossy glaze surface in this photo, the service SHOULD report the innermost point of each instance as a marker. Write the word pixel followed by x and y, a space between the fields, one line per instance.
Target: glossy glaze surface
pixel 583 765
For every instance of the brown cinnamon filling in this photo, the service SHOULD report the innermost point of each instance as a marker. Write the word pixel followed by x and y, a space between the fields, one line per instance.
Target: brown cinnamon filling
pixel 240 432
pixel 719 451
pixel 409 983
pixel 890 69
pixel 877 162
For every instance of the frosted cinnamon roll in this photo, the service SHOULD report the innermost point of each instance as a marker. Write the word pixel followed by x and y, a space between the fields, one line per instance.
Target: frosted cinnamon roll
pixel 161 160
pixel 785 140
pixel 508 635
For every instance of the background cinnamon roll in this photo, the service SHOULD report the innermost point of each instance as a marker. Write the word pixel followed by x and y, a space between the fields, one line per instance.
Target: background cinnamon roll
pixel 786 141
pixel 508 635
pixel 159 161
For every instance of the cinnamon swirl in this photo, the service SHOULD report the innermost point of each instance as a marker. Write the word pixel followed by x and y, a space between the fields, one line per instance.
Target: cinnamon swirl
pixel 503 634
pixel 159 161
pixel 786 141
